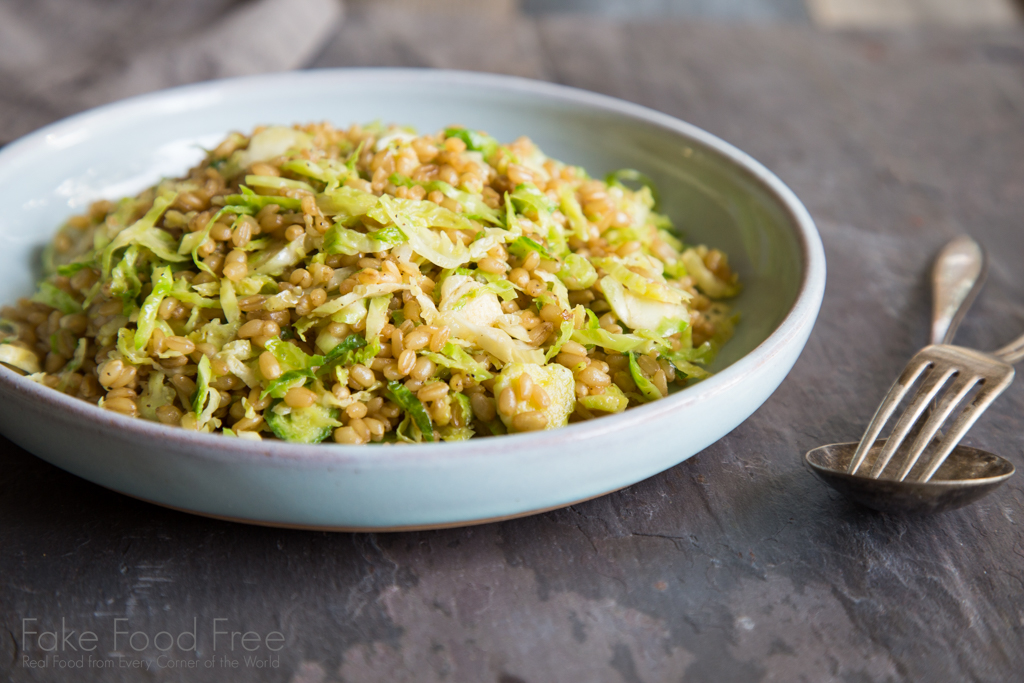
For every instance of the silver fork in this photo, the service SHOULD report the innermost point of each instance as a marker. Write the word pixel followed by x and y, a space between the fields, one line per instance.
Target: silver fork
pixel 941 364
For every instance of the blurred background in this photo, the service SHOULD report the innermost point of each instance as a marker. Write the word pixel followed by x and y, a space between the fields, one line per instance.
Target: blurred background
pixel 61 56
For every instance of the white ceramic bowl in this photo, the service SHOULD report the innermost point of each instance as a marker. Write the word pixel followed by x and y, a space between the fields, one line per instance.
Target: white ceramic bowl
pixel 715 193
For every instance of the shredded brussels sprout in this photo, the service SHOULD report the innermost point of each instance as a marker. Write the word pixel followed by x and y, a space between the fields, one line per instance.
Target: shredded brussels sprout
pixel 373 285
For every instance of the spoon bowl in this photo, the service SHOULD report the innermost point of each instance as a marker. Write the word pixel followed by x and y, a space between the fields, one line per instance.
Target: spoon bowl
pixel 966 475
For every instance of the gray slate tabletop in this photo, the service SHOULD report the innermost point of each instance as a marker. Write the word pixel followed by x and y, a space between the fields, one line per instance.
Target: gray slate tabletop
pixel 736 565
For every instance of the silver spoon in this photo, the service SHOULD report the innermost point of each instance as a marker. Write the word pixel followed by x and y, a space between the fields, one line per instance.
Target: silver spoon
pixel 967 473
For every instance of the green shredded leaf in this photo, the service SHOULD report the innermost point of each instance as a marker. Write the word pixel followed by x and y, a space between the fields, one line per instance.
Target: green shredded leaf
pixel 69 269
pixel 274 182
pixel 408 402
pixel 655 289
pixel 330 172
pixel 250 202
pixel 192 241
pixel 454 357
pixel 577 272
pixel 345 203
pixel 274 263
pixel 572 210
pixel 353 158
pixel 55 297
pixel 342 240
pixel 126 347
pixel 462 406
pixel 182 292
pixel 529 200
pixel 646 386
pixel 612 400
pixel 399 180
pixel 293 378
pixel 521 246
pixel 377 315
pixel 475 141
pixel 202 392
pixel 452 433
pixel 303 425
pixel 366 354
pixel 473 205
pixel 497 284
pixel 291 356
pixel 144 233
pixel 705 279
pixel 565 330
pixel 510 212
pixel 162 284
pixel 228 300
pixel 687 368
pixel 342 354
pixel 124 278
pixel 415 220
pixel 155 394
pixel 612 341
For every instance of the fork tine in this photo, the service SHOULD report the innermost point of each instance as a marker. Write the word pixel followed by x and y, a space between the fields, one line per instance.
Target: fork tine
pixel 947 404
pixel 896 393
pixel 933 383
pixel 990 390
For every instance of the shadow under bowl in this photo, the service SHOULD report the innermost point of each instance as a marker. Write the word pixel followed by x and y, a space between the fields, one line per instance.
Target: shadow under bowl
pixel 967 475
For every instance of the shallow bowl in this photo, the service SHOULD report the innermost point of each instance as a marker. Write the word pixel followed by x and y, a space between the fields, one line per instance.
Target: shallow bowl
pixel 715 193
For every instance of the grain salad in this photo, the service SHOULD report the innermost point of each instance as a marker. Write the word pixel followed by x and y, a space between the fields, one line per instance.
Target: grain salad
pixel 370 284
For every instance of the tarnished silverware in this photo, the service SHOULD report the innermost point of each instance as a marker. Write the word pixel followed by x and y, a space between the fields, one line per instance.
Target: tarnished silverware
pixel 967 475
pixel 956 370
pixel 970 473
pixel 958 274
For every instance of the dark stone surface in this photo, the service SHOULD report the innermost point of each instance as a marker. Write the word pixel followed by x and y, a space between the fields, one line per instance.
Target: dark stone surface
pixel 737 565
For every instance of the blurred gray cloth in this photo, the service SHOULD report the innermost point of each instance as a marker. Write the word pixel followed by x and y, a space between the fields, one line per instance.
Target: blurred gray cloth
pixel 58 57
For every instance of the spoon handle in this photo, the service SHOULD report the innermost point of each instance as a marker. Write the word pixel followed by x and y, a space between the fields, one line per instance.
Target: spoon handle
pixel 957 277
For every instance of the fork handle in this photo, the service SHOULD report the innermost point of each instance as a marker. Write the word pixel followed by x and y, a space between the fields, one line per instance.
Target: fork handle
pixel 1012 352
pixel 957 277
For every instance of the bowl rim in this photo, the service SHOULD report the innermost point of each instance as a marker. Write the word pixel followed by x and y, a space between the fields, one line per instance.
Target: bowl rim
pixel 801 313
